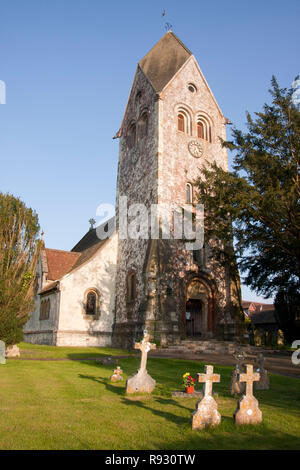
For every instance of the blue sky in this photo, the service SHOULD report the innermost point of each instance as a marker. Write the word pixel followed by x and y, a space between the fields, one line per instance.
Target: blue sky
pixel 68 66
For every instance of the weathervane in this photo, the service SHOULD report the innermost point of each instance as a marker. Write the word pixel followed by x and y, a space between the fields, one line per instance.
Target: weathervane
pixel 168 26
pixel 92 223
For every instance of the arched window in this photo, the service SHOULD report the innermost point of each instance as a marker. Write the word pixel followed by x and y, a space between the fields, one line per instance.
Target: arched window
pixel 131 133
pixel 138 101
pixel 41 309
pixel 45 309
pixel 181 122
pixel 131 287
pixel 91 303
pixel 204 128
pixel 189 193
pixel 200 129
pixel 142 127
pixel 184 121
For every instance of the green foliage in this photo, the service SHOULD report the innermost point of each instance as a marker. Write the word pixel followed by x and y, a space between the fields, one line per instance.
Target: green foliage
pixel 19 249
pixel 258 202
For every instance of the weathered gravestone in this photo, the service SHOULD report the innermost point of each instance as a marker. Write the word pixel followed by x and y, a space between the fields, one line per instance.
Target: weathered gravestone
pixel 2 353
pixel 117 375
pixel 206 413
pixel 258 337
pixel 280 338
pixel 235 385
pixel 247 411
pixel 142 381
pixel 264 382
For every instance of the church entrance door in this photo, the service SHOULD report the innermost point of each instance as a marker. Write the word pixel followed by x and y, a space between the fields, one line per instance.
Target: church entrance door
pixel 194 318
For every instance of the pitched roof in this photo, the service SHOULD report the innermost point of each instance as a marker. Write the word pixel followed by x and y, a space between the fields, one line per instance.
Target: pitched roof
pixel 259 312
pixel 266 316
pixel 164 60
pixel 52 286
pixel 59 262
pixel 257 306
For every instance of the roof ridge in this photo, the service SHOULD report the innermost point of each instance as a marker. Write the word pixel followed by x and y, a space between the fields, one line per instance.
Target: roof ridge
pixel 180 42
pixel 63 251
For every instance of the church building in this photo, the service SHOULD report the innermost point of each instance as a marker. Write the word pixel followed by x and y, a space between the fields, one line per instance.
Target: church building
pixel 106 292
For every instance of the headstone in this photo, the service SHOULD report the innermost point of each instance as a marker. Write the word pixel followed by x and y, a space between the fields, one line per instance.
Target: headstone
pixel 235 385
pixel 247 411
pixel 142 381
pixel 206 413
pixel 264 382
pixel 280 338
pixel 2 353
pixel 12 351
pixel 258 337
pixel 117 375
pixel 106 360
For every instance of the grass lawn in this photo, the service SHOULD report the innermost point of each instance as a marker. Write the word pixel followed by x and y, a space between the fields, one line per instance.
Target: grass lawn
pixel 73 405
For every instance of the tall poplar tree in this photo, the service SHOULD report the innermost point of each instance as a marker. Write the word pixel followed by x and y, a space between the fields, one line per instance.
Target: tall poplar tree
pixel 19 250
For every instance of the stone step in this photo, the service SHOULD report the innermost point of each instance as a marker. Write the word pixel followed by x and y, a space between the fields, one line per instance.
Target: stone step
pixel 208 346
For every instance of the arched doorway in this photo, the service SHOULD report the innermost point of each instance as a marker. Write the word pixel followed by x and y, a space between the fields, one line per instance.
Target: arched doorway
pixel 199 315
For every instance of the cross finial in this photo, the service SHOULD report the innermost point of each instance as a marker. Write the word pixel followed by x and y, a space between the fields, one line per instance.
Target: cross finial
pixel 249 378
pixel 144 346
pixel 208 378
pixel 92 223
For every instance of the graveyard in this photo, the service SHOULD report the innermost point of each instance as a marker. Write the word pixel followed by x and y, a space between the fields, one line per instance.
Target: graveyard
pixel 65 399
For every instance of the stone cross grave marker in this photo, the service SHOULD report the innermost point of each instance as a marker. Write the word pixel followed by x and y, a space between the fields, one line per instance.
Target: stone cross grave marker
pixel 206 413
pixel 264 382
pixel 235 385
pixel 142 381
pixel 2 353
pixel 247 411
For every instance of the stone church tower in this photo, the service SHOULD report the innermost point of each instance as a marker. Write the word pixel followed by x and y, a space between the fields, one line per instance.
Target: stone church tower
pixel 171 125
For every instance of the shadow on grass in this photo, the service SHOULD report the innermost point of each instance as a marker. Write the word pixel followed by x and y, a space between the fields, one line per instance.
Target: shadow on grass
pixel 110 387
pixel 230 437
pixel 180 420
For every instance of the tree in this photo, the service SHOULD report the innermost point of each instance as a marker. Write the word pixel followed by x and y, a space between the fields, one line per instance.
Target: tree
pixel 19 251
pixel 257 204
pixel 287 310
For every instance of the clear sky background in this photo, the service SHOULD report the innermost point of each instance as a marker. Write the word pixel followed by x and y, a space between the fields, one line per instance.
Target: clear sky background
pixel 68 66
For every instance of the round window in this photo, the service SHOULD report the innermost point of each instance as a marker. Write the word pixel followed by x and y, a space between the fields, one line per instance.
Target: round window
pixel 192 88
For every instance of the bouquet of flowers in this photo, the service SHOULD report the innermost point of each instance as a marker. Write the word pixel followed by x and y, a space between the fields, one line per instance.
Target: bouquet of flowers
pixel 188 380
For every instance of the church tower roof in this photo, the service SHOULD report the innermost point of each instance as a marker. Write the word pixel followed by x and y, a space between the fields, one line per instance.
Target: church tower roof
pixel 164 60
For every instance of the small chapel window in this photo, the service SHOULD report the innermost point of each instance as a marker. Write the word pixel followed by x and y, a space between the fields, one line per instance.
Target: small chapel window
pixel 91 303
pixel 131 287
pixel 142 127
pixel 200 130
pixel 45 309
pixel 181 122
pixel 204 129
pixel 189 193
pixel 131 135
pixel 184 122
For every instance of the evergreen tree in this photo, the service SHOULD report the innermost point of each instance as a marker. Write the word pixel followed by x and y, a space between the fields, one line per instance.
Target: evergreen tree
pixel 19 250
pixel 257 204
pixel 287 310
